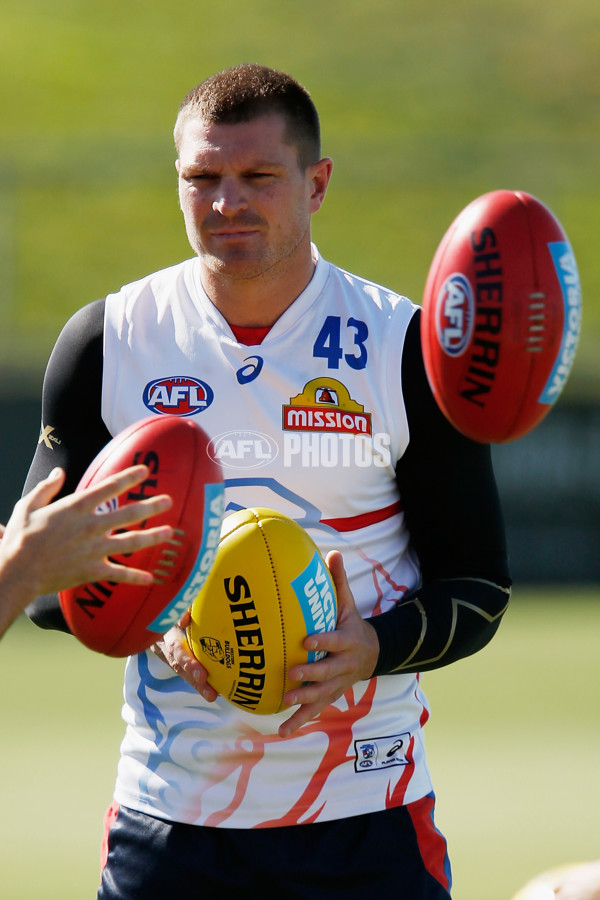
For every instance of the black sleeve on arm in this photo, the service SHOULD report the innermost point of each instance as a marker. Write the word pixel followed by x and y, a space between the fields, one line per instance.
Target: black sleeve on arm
pixel 72 428
pixel 454 517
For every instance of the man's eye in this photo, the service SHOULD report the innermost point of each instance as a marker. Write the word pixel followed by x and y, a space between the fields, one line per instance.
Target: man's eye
pixel 199 177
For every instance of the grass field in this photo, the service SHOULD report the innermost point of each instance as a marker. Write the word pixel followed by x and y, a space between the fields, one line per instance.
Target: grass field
pixel 513 746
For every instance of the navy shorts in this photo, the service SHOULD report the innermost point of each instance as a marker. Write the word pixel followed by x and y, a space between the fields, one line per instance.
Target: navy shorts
pixel 397 853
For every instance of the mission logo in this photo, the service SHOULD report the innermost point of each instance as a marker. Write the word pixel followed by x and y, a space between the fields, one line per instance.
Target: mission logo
pixel 325 405
pixel 177 395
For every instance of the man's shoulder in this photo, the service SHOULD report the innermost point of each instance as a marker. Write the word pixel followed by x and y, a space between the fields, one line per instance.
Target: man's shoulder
pixel 371 292
pixel 157 280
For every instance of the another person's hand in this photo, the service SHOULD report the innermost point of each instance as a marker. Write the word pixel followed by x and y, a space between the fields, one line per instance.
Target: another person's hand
pixel 47 547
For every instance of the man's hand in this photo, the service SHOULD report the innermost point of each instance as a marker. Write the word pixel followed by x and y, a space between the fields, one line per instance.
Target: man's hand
pixel 174 650
pixel 353 650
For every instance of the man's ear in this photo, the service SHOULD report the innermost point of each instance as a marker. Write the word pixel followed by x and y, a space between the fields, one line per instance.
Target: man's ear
pixel 319 174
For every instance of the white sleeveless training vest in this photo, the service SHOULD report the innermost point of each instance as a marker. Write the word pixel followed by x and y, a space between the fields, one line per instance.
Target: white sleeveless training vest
pixel 310 422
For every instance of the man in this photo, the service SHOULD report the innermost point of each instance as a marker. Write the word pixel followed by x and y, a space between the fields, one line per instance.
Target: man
pixel 47 548
pixel 311 383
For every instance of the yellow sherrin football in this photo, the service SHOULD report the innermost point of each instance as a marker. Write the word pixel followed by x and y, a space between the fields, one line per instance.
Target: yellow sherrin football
pixel 268 589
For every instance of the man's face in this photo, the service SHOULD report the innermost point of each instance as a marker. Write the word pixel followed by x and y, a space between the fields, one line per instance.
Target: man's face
pixel 246 202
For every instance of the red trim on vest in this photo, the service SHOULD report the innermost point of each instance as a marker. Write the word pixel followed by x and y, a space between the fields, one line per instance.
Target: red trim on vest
pixel 249 335
pixel 353 523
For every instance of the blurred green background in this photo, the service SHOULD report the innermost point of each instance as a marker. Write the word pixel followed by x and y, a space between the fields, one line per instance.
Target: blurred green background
pixel 425 105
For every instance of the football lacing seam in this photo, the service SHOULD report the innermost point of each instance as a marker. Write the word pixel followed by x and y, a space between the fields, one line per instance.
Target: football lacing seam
pixel 168 558
pixel 279 603
pixel 536 322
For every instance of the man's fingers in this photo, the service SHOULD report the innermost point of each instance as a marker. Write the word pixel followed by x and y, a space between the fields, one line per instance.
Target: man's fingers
pixel 128 513
pixel 130 541
pixel 300 717
pixel 126 575
pixel 352 652
pixel 117 484
pixel 137 512
pixel 45 490
pixel 175 651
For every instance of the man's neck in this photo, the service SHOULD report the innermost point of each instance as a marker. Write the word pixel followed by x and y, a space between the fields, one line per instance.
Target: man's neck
pixel 256 302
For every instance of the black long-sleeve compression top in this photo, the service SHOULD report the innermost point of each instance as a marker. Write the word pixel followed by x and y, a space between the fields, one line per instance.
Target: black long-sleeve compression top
pixel 446 482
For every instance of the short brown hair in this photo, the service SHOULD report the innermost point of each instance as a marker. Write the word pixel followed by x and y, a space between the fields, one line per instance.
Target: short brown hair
pixel 246 91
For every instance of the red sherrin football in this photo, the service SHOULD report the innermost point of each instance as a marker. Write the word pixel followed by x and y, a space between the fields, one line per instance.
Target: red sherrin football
pixel 501 316
pixel 123 619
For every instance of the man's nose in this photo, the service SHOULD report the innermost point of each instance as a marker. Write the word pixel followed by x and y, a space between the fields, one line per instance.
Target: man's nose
pixel 230 198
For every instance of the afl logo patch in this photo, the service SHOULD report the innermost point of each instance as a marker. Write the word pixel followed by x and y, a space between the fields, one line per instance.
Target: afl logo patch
pixel 177 395
pixel 455 314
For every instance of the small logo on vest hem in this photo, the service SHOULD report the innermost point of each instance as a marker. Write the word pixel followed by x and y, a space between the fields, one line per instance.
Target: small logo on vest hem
pixel 381 752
